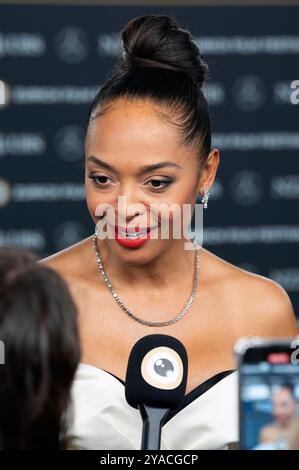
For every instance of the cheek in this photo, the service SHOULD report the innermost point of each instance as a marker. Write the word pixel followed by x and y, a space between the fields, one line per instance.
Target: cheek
pixel 184 192
pixel 183 202
pixel 95 201
pixel 177 215
pixel 187 191
pixel 100 204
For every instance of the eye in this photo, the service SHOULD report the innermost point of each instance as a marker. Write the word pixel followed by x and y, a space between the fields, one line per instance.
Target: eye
pixel 98 180
pixel 159 184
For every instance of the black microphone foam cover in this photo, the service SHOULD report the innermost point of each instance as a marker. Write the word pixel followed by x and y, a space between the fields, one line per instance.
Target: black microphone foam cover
pixel 157 372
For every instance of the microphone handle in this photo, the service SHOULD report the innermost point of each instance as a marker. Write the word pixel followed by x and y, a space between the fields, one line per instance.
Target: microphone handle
pixel 153 419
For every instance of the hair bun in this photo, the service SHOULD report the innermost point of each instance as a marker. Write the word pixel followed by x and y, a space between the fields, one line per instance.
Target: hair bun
pixel 159 41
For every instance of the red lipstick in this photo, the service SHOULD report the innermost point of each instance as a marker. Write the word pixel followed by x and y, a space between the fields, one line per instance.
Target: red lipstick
pixel 132 243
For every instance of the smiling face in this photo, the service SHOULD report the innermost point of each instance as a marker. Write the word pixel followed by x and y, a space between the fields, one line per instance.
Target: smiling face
pixel 123 148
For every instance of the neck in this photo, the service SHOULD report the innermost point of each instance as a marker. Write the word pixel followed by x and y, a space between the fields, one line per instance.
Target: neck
pixel 285 424
pixel 172 265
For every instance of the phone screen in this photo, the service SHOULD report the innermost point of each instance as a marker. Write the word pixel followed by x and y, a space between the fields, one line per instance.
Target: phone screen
pixel 269 399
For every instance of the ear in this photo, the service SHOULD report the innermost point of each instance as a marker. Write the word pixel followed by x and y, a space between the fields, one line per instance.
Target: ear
pixel 209 171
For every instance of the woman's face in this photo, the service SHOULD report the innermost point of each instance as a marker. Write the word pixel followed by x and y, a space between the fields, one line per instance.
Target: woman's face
pixel 128 137
pixel 284 405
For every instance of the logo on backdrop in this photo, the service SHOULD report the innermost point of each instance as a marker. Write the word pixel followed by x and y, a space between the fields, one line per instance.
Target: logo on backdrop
pixel 246 188
pixel 68 233
pixel 249 93
pixel 69 143
pixel 71 44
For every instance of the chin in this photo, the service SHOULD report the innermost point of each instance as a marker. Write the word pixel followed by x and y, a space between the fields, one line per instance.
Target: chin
pixel 140 255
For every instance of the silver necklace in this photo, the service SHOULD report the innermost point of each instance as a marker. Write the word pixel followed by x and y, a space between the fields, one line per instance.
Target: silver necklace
pixel 120 303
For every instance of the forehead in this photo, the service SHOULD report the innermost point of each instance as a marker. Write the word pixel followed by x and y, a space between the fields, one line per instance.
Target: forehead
pixel 282 394
pixel 135 128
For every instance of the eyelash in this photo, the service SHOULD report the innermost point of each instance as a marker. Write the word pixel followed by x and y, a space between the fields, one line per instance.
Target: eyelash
pixel 166 182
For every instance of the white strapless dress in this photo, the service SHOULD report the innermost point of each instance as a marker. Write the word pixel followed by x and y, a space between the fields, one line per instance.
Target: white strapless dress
pixel 103 420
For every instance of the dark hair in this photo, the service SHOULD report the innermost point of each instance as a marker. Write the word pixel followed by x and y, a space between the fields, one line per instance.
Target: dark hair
pixel 161 62
pixel 288 386
pixel 38 326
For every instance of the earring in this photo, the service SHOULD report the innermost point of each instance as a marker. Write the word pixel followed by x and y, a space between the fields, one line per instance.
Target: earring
pixel 205 198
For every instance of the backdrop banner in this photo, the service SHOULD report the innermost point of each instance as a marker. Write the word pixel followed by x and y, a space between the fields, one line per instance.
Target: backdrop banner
pixel 53 60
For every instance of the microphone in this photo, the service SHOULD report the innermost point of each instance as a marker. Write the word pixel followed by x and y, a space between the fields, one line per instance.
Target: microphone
pixel 156 381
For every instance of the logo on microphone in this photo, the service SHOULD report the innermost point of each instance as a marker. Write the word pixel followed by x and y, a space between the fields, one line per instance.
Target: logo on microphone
pixel 162 368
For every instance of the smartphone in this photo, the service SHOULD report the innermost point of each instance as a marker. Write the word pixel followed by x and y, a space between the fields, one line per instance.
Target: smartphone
pixel 268 393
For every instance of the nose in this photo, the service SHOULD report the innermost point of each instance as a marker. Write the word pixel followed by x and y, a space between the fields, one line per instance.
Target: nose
pixel 128 205
pixel 128 211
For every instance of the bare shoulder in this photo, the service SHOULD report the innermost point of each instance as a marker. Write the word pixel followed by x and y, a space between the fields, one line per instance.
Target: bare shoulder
pixel 267 433
pixel 258 305
pixel 70 262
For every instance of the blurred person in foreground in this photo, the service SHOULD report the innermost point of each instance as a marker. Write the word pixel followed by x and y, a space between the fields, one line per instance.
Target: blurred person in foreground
pixel 39 337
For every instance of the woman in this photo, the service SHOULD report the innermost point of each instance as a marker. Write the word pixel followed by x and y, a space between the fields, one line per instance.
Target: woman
pixel 151 110
pixel 283 432
pixel 38 331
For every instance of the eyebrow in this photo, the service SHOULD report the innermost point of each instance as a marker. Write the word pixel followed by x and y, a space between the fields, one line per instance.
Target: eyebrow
pixel 144 169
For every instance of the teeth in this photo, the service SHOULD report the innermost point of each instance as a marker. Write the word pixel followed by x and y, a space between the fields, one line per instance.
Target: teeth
pixel 132 236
